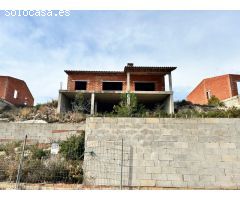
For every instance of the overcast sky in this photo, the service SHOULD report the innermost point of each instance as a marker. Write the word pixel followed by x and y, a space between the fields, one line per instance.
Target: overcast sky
pixel 200 43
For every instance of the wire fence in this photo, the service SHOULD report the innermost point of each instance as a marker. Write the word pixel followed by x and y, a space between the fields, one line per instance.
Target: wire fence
pixel 108 163
pixel 105 163
pixel 22 163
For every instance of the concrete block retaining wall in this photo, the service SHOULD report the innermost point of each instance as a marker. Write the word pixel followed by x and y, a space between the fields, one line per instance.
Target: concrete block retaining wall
pixel 185 153
pixel 42 133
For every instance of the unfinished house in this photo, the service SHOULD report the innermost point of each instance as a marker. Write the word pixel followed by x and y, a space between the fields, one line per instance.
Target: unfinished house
pixel 104 88
pixel 225 87
pixel 14 91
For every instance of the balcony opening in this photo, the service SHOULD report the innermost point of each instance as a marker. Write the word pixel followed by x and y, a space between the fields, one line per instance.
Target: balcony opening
pixel 80 85
pixel 112 86
pixel 146 86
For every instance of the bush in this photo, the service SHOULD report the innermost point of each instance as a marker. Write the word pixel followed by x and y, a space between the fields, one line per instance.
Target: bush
pixel 123 109
pixel 25 112
pixel 56 171
pixel 214 101
pixel 39 167
pixel 10 147
pixel 73 147
pixel 159 112
pixel 38 153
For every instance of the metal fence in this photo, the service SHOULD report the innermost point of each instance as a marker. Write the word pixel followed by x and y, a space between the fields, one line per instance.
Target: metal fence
pixel 24 165
pixel 108 163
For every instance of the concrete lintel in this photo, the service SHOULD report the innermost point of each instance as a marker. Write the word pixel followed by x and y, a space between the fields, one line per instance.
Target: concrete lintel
pixel 68 92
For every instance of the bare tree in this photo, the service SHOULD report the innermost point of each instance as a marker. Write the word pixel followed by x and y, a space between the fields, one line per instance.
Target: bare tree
pixel 81 104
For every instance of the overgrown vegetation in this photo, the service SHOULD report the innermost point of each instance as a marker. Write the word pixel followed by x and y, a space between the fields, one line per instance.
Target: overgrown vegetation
pixel 214 101
pixel 183 109
pixel 81 106
pixel 40 166
pixel 215 109
pixel 46 112
pixel 73 148
pixel 128 106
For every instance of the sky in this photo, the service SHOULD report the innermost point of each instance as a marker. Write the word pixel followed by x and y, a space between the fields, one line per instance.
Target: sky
pixel 200 43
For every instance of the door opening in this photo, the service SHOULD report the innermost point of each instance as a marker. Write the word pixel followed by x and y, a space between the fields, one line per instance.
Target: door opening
pixel 238 87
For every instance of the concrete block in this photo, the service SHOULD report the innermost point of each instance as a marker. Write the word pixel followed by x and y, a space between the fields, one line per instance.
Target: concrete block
pixel 179 184
pixel 164 184
pixel 224 178
pixel 110 120
pixel 165 157
pixel 211 145
pixel 207 178
pixel 169 170
pixel 228 145
pixel 144 176
pixel 162 163
pixel 181 144
pixel 146 163
pixel 152 120
pixel 160 177
pixel 150 183
pixel 191 178
pixel 229 158
pixel 175 177
pixel 153 170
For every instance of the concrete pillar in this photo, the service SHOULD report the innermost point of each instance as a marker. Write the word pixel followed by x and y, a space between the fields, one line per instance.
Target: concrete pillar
pixel 92 103
pixel 171 110
pixel 95 107
pixel 62 103
pixel 169 104
pixel 128 81
pixel 170 81
pixel 128 87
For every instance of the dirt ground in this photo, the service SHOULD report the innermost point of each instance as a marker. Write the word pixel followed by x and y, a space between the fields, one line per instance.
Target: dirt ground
pixel 61 186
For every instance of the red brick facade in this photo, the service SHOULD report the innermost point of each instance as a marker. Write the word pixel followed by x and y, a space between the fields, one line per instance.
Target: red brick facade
pixel 223 87
pixel 15 91
pixel 94 80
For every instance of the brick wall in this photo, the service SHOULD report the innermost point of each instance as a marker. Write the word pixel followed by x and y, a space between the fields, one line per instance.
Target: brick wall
pixel 182 153
pixel 95 80
pixel 3 86
pixel 198 95
pixel 12 84
pixel 220 86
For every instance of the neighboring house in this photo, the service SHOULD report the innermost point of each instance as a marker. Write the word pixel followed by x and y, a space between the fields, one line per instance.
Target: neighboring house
pixel 15 92
pixel 104 88
pixel 225 87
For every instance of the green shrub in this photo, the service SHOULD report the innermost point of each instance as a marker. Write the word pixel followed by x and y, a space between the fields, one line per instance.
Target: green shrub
pixel 73 147
pixel 123 109
pixel 38 153
pixel 159 112
pixel 214 101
